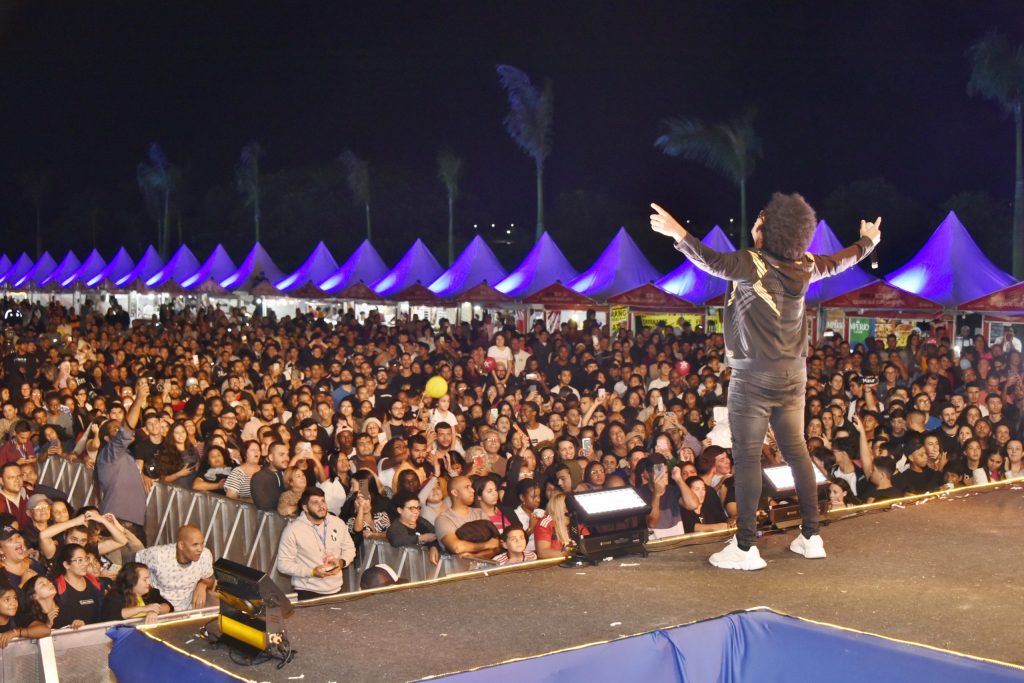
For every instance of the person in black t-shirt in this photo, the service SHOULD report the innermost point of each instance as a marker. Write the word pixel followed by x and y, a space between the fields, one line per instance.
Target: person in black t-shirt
pixel 79 594
pixel 919 478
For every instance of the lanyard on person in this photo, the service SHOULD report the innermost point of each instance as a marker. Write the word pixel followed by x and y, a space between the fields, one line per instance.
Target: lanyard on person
pixel 321 537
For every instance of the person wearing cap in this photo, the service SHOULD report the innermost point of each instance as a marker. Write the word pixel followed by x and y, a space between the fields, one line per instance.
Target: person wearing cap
pixel 315 548
pixel 39 519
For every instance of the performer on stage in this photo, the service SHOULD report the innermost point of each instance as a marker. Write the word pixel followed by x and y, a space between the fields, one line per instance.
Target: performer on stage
pixel 766 347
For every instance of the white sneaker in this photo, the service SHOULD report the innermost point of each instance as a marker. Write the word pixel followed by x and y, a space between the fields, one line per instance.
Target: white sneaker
pixel 731 557
pixel 812 548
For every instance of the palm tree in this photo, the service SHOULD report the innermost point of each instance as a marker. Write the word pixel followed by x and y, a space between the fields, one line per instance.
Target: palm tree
pixel 449 170
pixel 357 173
pixel 157 180
pixel 35 186
pixel 247 179
pixel 529 122
pixel 997 73
pixel 729 148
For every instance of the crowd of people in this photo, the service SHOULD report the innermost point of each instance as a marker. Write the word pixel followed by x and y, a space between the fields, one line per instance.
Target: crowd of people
pixel 331 425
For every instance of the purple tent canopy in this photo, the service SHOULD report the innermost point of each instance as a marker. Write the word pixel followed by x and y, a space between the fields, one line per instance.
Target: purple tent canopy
pixel 692 284
pixel 364 265
pixel 148 266
pixel 256 267
pixel 475 265
pixel 217 267
pixel 119 266
pixel 5 265
pixel 620 268
pixel 319 266
pixel 18 270
pixel 65 269
pixel 182 265
pixel 950 268
pixel 43 267
pixel 544 265
pixel 417 266
pixel 92 266
pixel 825 241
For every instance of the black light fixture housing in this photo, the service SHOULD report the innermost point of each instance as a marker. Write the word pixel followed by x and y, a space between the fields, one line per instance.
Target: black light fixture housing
pixel 252 613
pixel 615 519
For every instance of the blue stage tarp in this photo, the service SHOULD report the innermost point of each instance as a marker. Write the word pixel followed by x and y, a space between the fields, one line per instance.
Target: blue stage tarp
pixel 136 657
pixel 748 647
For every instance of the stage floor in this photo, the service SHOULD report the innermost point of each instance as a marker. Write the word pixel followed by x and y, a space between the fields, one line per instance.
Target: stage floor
pixel 944 573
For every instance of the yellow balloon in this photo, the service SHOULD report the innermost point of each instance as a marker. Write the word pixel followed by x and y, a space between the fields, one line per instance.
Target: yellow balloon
pixel 436 387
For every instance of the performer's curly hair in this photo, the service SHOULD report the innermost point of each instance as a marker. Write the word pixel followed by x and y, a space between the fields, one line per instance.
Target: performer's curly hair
pixel 788 227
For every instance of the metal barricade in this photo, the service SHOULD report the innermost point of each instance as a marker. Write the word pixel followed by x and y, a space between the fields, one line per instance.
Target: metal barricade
pixel 238 531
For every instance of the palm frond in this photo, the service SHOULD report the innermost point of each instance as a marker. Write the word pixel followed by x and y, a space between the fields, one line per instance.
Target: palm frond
pixel 357 173
pixel 730 149
pixel 449 171
pixel 530 112
pixel 997 70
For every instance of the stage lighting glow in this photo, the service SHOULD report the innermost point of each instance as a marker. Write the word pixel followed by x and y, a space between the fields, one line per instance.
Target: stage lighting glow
pixel 610 501
pixel 780 478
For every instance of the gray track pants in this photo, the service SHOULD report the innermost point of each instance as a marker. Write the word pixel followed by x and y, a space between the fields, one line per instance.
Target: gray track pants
pixel 757 398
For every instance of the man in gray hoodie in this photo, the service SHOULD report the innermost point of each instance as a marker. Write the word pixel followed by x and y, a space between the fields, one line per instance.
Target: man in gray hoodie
pixel 766 342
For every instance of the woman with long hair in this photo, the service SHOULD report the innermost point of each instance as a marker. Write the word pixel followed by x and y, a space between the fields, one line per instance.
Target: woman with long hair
pixel 236 486
pixel 552 533
pixel 79 594
pixel 176 460
pixel 701 519
pixel 840 495
pixel 10 628
pixel 367 515
pixel 487 499
pixel 132 596
pixel 213 470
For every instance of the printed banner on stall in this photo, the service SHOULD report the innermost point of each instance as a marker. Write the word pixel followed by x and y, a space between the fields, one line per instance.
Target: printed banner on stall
pixel 901 328
pixel 860 330
pixel 669 319
pixel 619 317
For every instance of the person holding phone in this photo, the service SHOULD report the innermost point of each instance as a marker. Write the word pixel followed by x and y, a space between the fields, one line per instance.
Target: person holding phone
pixel 315 548
pixel 766 344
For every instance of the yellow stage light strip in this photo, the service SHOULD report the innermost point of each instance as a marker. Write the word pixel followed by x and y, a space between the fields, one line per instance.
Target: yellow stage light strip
pixel 506 569
pixel 837 515
pixel 177 649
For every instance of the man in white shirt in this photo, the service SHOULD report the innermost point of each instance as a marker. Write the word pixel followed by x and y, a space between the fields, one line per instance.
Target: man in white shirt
pixel 538 433
pixel 1010 341
pixel 182 571
pixel 519 356
pixel 315 549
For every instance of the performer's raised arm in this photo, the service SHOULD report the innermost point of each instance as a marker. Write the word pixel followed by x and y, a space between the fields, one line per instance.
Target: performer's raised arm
pixel 728 266
pixel 826 265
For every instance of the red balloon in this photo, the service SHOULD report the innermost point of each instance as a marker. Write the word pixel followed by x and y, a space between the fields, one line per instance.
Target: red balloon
pixel 490 364
pixel 682 368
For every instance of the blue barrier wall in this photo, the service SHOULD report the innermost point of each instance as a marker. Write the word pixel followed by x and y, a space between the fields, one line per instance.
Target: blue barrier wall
pixel 748 647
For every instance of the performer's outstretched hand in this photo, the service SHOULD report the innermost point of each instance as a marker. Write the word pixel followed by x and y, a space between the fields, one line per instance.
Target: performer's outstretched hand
pixel 872 230
pixel 662 222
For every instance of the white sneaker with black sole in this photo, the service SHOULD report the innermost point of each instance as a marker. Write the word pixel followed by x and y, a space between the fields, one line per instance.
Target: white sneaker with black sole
pixel 731 557
pixel 812 548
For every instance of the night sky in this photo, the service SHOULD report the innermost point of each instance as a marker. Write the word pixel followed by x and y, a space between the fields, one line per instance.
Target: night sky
pixel 844 91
